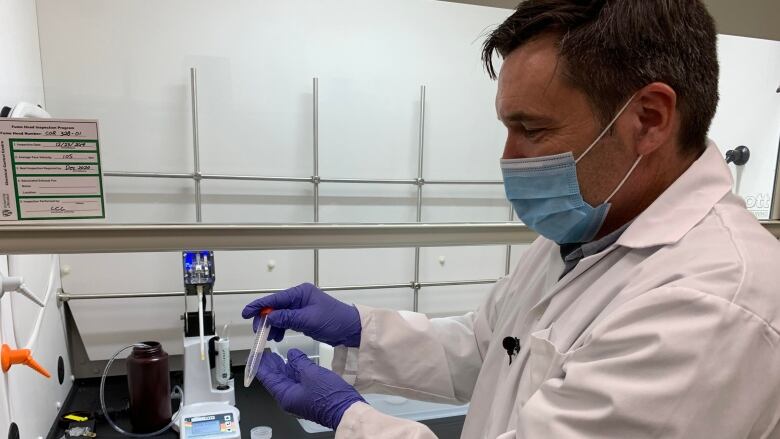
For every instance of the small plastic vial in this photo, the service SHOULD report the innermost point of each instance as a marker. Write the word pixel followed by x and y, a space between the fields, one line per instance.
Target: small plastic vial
pixel 261 433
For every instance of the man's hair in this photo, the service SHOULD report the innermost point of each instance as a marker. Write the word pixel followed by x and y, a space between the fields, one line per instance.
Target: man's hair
pixel 609 49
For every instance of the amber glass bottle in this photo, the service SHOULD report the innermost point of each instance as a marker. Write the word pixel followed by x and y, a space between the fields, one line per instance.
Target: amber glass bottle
pixel 149 385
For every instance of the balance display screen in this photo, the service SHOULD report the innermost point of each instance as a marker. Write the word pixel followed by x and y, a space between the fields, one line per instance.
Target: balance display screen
pixel 205 427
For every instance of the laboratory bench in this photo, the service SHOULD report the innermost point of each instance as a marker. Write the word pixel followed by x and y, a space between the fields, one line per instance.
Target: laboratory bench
pixel 256 406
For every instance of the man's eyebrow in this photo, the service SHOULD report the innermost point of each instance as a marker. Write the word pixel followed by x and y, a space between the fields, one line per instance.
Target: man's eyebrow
pixel 520 116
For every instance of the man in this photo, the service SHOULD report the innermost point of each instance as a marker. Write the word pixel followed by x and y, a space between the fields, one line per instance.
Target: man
pixel 649 305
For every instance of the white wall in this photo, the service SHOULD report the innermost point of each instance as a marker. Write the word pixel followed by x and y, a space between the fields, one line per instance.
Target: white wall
pixel 749 114
pixel 33 398
pixel 20 77
pixel 256 60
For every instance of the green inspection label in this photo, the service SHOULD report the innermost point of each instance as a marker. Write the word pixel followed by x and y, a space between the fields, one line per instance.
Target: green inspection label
pixel 50 170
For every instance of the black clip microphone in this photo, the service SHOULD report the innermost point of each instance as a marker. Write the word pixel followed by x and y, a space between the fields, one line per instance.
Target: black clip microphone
pixel 512 346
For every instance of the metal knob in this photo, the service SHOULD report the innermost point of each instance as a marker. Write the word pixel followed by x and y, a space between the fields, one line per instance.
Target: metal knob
pixel 739 155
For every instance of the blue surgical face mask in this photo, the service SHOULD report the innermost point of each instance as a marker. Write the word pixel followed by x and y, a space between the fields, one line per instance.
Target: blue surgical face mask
pixel 546 196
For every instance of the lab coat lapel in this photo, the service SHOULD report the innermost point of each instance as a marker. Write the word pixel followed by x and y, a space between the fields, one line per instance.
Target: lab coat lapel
pixel 582 267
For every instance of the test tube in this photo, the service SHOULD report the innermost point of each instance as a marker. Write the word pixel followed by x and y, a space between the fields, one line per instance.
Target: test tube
pixel 256 353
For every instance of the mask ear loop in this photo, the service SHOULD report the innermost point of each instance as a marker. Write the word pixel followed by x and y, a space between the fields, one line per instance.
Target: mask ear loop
pixel 623 181
pixel 606 130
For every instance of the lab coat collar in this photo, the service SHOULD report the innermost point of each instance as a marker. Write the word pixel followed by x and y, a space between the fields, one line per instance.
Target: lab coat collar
pixel 683 205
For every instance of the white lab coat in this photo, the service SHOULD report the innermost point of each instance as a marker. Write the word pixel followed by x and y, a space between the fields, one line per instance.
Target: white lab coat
pixel 672 332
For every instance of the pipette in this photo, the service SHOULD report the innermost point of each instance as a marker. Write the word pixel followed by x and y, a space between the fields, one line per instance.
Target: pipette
pixel 201 268
pixel 200 324
pixel 256 353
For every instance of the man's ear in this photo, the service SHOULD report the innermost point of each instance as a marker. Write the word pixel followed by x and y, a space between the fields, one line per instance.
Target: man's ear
pixel 655 117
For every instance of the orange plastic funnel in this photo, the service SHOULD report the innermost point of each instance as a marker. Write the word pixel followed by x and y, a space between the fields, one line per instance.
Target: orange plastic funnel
pixel 9 357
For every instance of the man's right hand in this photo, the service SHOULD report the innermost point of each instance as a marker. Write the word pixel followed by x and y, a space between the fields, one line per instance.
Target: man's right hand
pixel 309 310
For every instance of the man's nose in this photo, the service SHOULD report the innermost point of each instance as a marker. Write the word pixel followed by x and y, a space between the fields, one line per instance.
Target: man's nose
pixel 513 149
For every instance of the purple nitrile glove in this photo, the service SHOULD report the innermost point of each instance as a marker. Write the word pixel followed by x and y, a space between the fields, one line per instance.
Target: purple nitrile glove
pixel 309 310
pixel 305 389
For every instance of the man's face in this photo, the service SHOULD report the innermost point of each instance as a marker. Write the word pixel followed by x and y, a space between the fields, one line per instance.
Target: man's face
pixel 544 115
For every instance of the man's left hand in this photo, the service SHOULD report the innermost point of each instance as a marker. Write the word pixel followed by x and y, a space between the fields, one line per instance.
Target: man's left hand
pixel 306 389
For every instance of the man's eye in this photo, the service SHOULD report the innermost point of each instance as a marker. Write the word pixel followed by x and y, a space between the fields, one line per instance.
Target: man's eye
pixel 522 130
pixel 533 132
